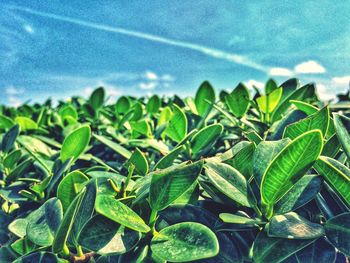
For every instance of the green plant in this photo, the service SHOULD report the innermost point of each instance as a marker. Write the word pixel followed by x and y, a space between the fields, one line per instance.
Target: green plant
pixel 235 179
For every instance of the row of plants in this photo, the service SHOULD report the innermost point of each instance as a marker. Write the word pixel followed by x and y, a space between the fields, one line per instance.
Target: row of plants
pixel 233 177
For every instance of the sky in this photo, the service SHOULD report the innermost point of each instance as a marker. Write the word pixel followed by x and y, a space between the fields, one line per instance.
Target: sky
pixel 62 48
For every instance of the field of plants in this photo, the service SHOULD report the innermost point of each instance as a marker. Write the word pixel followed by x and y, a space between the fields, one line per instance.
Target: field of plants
pixel 237 176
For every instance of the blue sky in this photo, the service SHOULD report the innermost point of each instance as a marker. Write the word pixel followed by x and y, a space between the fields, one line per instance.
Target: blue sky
pixel 62 48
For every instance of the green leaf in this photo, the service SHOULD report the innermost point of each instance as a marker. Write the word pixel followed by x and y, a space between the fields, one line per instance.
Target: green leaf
pixel 290 165
pixel 169 184
pixel 185 242
pixel 35 146
pixel 205 138
pixel 270 86
pixel 26 123
pixel 168 159
pixel 177 127
pixel 9 139
pixel 106 237
pixel 338 232
pixel 39 257
pixel 342 127
pixel 275 250
pixel 65 227
pixel 115 210
pixel 12 158
pixel 265 152
pixel 114 146
pixel 319 120
pixel 238 219
pixel 336 174
pixel 230 182
pixel 69 113
pixel 238 100
pixel 42 224
pixel 122 105
pixel 5 122
pixel 138 159
pixel 153 104
pixel 97 98
pixel 305 107
pixel 243 161
pixel 69 187
pixel 267 103
pixel 293 226
pixel 300 194
pixel 204 93
pixel 75 143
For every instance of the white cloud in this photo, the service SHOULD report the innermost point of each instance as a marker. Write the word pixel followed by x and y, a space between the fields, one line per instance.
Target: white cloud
pixel 309 67
pixel 167 77
pixel 147 86
pixel 151 75
pixel 344 80
pixel 14 90
pixel 280 72
pixel 252 82
pixel 324 93
pixel 28 28
pixel 14 101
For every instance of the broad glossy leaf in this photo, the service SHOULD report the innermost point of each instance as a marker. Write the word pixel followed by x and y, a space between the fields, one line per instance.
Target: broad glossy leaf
pixel 238 100
pixel 204 93
pixel 5 122
pixel 26 123
pixel 336 174
pixel 270 86
pixel 239 219
pixel 169 184
pixel 267 103
pixel 230 182
pixel 23 246
pixel 342 127
pixel 290 165
pixel 177 127
pixel 65 227
pixel 9 139
pixel 11 159
pixel 185 242
pixel 205 138
pixel 39 257
pixel 153 104
pixel 137 111
pixel 97 98
pixel 293 226
pixel 305 92
pixel 75 143
pixel 115 210
pixel 168 159
pixel 122 105
pixel 69 113
pixel 319 120
pixel 243 161
pixel 139 160
pixel 36 146
pixel 69 187
pixel 305 107
pixel 338 232
pixel 114 146
pixel 275 250
pixel 106 237
pixel 300 194
pixel 265 152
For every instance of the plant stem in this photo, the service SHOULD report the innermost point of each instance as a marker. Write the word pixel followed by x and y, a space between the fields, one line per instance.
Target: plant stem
pixel 65 251
pixel 152 219
pixel 80 252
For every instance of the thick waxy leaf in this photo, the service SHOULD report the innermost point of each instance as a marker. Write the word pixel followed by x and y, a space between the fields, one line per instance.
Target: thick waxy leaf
pixel 39 257
pixel 238 219
pixel 9 139
pixel 264 154
pixel 305 107
pixel 238 100
pixel 122 105
pixel 244 161
pixel 342 127
pixel 185 242
pixel 11 159
pixel 69 187
pixel 168 159
pixel 153 104
pixel 114 146
pixel 205 138
pixel 107 237
pixel 97 98
pixel 290 165
pixel 140 162
pixel 169 184
pixel 115 210
pixel 75 143
pixel 336 174
pixel 293 226
pixel 69 113
pixel 204 93
pixel 307 91
pixel 35 146
pixel 267 103
pixel 319 120
pixel 5 122
pixel 230 182
pixel 338 232
pixel 26 123
pixel 65 227
pixel 177 127
pixel 300 194
pixel 275 250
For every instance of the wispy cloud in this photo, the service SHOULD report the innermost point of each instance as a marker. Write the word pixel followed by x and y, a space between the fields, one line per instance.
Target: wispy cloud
pixel 344 80
pixel 28 28
pixel 285 72
pixel 309 67
pixel 212 52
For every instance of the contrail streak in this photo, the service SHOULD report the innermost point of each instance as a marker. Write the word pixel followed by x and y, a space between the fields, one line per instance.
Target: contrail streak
pixel 212 52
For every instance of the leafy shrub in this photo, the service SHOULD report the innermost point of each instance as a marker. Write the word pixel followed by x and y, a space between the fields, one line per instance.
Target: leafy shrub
pixel 205 179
